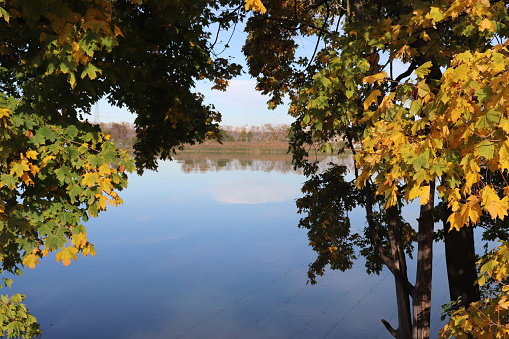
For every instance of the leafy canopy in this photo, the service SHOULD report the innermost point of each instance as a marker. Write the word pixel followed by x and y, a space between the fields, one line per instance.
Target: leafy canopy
pixel 58 58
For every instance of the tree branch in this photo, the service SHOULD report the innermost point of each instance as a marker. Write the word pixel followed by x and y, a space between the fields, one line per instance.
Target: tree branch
pixel 389 328
pixel 378 243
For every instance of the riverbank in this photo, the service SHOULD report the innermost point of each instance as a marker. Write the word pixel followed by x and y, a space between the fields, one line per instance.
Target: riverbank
pixel 238 147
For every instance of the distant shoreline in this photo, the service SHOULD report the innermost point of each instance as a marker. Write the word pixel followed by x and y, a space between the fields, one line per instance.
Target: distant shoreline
pixel 264 147
pixel 239 147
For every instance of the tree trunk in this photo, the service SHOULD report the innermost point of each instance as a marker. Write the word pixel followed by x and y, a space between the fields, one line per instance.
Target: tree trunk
pixel 421 296
pixel 404 329
pixel 460 259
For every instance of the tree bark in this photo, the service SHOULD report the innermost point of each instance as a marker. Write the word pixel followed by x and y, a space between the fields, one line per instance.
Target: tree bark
pixel 460 260
pixel 421 296
pixel 404 329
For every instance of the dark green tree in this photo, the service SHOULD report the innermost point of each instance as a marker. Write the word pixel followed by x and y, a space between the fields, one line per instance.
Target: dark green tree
pixel 57 59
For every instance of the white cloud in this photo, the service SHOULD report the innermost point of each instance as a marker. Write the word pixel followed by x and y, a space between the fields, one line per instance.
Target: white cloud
pixel 242 105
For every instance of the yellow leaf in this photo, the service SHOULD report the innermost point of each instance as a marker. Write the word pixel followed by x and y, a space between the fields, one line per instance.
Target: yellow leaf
pixel 71 79
pixel 486 24
pixel 46 159
pixel 403 52
pixel 89 249
pixel 66 254
pixel 423 89
pixel 31 260
pixel 471 211
pixel 375 78
pixel 471 179
pixel 104 169
pixel 504 124
pixel 79 240
pixel 90 179
pixel 102 201
pixel 425 36
pixel 4 112
pixel 503 155
pixel 455 220
pixel 255 5
pixel 419 191
pixel 504 303
pixel 424 194
pixel 19 167
pixel 493 204
pixel 372 98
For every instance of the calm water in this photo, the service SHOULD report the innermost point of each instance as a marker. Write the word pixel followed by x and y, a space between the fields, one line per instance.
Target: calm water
pixel 209 248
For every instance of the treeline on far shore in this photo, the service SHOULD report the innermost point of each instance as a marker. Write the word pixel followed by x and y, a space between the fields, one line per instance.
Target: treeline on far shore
pixel 265 139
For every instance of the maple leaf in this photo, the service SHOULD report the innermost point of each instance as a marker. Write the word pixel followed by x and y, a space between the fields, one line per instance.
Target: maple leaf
pixel 495 206
pixel 486 24
pixel 423 70
pixel 255 5
pixel 66 254
pixel 32 154
pixel 89 249
pixel 31 260
pixel 90 179
pixel 79 240
pixel 485 149
pixel 19 167
pixel 90 71
pixel 372 98
pixel 370 79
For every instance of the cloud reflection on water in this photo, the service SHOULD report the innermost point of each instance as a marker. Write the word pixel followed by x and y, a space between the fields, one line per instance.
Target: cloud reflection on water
pixel 251 191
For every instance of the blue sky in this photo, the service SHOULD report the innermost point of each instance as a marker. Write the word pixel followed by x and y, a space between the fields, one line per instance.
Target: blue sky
pixel 241 104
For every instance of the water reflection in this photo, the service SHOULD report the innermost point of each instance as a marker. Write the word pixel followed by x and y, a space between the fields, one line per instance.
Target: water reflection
pixel 214 162
pixel 252 191
pixel 212 253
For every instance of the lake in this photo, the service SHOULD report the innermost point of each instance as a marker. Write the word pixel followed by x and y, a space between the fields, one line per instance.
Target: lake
pixel 208 247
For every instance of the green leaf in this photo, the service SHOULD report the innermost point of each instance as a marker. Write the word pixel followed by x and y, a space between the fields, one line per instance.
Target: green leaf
pixel 436 14
pixel 54 242
pixel 46 133
pixel 415 107
pixel 90 71
pixel 19 167
pixel 4 14
pixel 485 149
pixel 8 180
pixel 95 160
pixel 423 70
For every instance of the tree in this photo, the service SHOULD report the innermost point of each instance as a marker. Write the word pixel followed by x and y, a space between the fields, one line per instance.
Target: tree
pixel 57 58
pixel 122 134
pixel 422 86
pixel 226 136
pixel 486 318
pixel 245 136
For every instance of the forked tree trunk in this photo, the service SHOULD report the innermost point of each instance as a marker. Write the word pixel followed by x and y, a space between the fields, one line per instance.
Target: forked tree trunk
pixel 421 296
pixel 404 329
pixel 460 259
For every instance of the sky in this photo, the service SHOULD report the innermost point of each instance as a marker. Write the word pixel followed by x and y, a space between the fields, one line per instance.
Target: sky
pixel 241 104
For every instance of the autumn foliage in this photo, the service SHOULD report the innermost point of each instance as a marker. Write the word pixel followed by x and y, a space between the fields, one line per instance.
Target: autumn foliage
pixel 422 87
